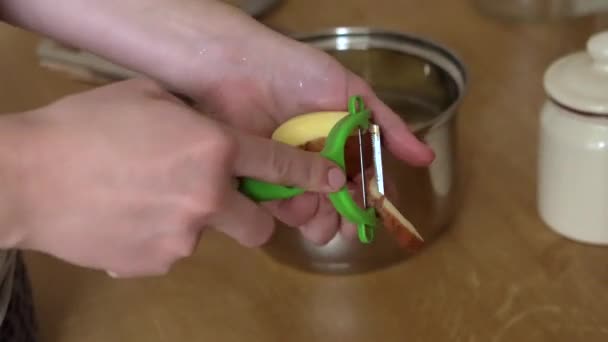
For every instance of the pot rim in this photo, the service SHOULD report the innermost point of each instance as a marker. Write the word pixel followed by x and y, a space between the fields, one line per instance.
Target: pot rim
pixel 458 71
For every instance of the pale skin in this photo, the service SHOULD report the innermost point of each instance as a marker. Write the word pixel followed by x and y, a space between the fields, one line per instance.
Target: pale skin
pixel 125 178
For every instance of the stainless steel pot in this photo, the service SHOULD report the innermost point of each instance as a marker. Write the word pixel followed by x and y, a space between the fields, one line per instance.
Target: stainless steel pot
pixel 424 83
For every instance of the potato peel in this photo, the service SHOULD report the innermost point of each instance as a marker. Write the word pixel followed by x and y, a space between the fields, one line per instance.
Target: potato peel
pixel 393 221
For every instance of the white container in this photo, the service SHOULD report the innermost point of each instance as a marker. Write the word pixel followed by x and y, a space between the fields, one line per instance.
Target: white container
pixel 573 148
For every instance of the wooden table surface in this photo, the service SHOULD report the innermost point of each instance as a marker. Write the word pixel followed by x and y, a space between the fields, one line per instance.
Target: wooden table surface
pixel 497 275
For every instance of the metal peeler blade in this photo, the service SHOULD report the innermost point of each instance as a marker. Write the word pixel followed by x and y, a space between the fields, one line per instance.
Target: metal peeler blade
pixel 376 159
pixel 377 156
pixel 362 165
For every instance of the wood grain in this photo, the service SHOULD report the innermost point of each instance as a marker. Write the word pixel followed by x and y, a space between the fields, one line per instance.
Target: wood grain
pixel 497 275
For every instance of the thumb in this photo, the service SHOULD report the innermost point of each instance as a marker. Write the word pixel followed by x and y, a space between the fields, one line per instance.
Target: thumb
pixel 271 161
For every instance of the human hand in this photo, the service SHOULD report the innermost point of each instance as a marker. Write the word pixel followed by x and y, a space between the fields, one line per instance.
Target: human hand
pixel 125 177
pixel 261 83
pixel 239 71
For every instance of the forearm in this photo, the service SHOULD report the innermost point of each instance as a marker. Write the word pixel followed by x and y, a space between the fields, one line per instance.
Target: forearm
pixel 177 42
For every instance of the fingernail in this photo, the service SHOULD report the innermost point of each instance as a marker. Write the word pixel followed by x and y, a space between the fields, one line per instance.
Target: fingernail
pixel 112 274
pixel 336 179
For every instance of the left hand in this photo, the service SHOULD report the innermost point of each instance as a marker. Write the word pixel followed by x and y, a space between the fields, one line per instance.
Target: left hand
pixel 284 78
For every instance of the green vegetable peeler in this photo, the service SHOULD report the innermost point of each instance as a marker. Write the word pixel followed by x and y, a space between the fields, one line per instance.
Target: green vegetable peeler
pixel 365 218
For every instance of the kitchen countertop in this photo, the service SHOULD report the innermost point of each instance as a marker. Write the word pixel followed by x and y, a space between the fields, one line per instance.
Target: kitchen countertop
pixel 498 274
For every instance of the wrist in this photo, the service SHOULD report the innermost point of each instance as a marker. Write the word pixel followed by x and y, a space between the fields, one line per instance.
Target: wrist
pixel 13 161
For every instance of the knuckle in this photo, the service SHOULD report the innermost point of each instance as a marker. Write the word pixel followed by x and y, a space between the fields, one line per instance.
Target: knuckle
pixel 323 227
pixel 182 241
pixel 163 269
pixel 260 236
pixel 212 201
pixel 148 87
pixel 184 247
pixel 163 266
pixel 281 166
pixel 222 144
pixel 219 154
pixel 317 172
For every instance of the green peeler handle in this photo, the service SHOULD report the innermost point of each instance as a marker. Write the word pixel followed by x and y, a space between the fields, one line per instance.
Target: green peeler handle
pixel 334 150
pixel 261 191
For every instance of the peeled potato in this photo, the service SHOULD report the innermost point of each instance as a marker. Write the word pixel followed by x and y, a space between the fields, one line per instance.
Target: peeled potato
pixel 309 132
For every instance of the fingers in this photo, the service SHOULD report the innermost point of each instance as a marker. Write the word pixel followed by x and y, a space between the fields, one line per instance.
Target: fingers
pixel 314 216
pixel 244 221
pixel 278 163
pixel 348 230
pixel 324 224
pixel 397 137
pixel 296 211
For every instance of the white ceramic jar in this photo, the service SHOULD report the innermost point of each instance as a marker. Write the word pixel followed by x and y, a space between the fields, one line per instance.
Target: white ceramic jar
pixel 573 145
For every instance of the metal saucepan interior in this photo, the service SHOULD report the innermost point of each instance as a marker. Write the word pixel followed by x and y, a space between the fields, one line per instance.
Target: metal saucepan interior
pixel 419 79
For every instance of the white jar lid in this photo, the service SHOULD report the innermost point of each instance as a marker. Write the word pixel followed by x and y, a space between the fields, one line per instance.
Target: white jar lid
pixel 580 80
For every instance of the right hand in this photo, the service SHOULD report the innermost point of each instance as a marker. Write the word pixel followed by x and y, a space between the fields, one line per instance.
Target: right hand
pixel 123 179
